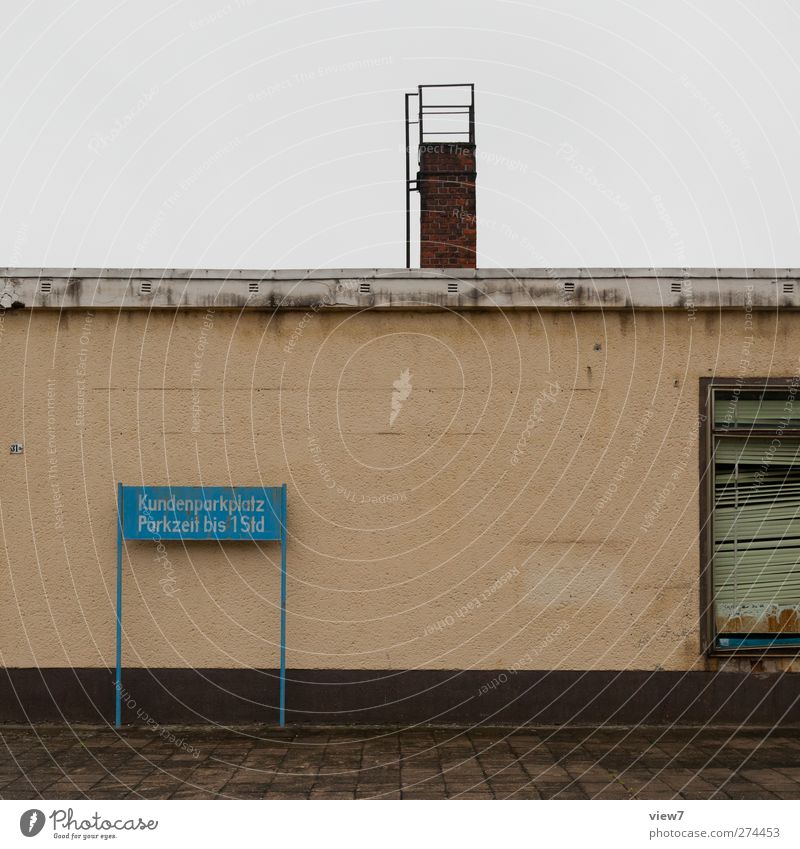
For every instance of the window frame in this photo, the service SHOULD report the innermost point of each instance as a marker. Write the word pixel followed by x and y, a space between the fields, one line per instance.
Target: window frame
pixel 708 385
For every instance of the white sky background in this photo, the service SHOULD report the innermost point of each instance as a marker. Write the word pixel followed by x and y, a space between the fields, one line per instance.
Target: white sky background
pixel 246 134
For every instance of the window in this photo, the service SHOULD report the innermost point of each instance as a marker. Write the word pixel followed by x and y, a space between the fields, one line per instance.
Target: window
pixel 752 516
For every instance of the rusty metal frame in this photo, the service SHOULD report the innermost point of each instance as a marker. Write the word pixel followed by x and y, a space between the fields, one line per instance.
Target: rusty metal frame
pixel 706 456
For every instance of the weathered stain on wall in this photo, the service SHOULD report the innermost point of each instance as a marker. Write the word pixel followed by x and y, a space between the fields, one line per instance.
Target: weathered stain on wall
pixel 757 618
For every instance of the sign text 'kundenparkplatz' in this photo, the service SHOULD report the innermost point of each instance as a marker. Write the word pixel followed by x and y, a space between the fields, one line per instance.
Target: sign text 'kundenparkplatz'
pixel 197 513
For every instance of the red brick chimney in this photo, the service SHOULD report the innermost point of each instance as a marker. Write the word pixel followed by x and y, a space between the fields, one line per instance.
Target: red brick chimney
pixel 446 183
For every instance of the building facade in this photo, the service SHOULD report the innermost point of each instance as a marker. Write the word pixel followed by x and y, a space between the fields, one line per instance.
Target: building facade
pixel 531 495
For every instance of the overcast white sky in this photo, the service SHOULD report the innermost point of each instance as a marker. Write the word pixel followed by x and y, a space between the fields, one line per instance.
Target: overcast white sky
pixel 246 134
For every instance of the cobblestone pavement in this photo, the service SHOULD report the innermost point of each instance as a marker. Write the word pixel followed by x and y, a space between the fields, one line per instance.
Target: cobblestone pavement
pixel 386 763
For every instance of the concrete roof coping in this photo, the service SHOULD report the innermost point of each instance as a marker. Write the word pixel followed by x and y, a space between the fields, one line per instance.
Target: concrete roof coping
pixel 689 289
pixel 400 273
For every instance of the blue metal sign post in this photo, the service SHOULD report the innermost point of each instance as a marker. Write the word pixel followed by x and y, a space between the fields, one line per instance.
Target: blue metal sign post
pixel 201 513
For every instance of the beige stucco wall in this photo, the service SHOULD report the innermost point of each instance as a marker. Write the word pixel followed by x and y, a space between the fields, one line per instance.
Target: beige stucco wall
pixel 428 543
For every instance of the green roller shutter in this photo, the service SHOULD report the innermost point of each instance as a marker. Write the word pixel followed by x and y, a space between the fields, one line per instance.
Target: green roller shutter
pixel 763 413
pixel 756 534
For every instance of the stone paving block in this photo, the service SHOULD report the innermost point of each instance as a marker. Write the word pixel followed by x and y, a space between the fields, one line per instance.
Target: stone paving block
pixel 17 794
pixel 394 794
pixel 244 790
pixel 271 794
pixel 190 793
pixel 321 794
pixel 599 790
pixel 110 794
pixel 521 794
pixel 419 794
pixel 564 793
pixel 550 773
pixel 368 792
pixel 746 790
pixel 409 776
pixel 255 762
pixel 656 791
pixel 473 795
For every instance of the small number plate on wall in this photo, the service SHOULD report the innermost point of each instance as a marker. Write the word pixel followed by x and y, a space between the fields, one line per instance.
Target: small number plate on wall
pixel 16 448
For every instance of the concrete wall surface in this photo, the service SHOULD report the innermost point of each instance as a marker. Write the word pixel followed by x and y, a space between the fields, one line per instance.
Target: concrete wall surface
pixel 483 490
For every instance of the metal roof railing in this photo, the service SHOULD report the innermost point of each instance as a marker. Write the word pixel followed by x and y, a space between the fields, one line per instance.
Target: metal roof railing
pixel 464 108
